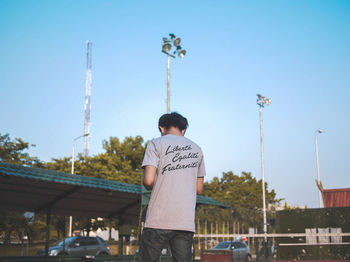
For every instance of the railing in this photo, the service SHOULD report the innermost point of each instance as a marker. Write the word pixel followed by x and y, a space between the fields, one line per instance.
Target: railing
pixel 273 235
pixel 285 245
pixel 131 258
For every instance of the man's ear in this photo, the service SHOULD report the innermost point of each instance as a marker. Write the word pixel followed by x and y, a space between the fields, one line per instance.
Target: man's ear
pixel 162 130
pixel 183 132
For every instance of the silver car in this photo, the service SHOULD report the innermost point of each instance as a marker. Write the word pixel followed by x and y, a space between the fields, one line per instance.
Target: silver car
pixel 240 250
pixel 78 246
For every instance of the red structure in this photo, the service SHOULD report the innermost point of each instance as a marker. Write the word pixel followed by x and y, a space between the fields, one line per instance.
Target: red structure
pixel 223 256
pixel 336 197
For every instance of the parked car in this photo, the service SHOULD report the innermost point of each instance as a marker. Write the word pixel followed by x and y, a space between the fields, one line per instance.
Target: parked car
pixel 240 250
pixel 78 246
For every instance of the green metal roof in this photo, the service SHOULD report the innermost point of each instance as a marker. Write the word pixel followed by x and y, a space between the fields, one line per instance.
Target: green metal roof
pixel 209 201
pixel 64 178
pixel 26 188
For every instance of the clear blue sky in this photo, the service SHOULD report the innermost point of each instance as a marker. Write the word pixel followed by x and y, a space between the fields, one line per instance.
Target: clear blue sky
pixel 295 52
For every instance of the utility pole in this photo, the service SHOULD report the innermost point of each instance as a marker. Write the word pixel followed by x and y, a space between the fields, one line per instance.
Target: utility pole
pixel 168 86
pixel 72 172
pixel 319 131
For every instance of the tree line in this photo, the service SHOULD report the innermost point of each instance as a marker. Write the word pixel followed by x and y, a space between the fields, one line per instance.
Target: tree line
pixel 121 161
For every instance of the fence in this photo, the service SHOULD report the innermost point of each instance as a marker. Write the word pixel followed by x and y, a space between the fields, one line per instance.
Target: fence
pixel 330 246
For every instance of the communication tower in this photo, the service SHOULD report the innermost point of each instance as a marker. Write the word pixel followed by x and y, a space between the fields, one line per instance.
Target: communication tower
pixel 87 105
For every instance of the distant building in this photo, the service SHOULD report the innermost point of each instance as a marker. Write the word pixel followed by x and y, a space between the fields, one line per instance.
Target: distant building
pixel 279 207
pixel 339 197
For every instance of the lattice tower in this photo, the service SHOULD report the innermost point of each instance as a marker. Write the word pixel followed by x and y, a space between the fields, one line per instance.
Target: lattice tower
pixel 87 105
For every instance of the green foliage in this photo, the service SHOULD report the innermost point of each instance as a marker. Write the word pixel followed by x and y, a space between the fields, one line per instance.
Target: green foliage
pixel 62 165
pixel 38 227
pixel 13 223
pixel 242 194
pixel 121 161
pixel 239 191
pixel 12 151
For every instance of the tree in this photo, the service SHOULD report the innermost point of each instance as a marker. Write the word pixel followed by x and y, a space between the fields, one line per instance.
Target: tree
pixel 13 151
pixel 239 191
pixel 63 165
pixel 243 196
pixel 125 158
pixel 13 223
pixel 121 161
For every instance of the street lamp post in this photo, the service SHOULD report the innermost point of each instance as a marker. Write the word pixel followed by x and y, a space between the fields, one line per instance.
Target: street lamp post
pixel 72 171
pixel 318 131
pixel 168 43
pixel 262 101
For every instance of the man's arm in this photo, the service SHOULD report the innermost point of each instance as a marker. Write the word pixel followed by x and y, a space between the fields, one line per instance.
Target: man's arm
pixel 200 181
pixel 149 177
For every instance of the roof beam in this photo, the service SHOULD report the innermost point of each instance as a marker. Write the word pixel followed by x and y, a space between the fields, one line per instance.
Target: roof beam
pixel 56 199
pixel 120 211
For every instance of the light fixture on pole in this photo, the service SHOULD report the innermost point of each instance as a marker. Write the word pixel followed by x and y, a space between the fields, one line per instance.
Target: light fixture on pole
pixel 168 43
pixel 318 131
pixel 262 101
pixel 72 171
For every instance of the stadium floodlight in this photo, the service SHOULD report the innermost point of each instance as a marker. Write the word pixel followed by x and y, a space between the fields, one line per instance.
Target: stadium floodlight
pixel 177 41
pixel 168 43
pixel 166 47
pixel 263 101
pixel 182 53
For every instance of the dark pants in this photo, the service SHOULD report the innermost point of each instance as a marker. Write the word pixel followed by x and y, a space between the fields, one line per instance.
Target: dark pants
pixel 154 240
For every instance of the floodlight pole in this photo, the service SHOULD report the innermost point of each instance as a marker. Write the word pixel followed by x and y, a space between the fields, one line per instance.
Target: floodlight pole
pixel 166 49
pixel 168 85
pixel 319 131
pixel 72 172
pixel 263 170
pixel 261 102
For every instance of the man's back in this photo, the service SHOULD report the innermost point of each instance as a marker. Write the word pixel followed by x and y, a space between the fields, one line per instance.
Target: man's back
pixel 174 170
pixel 179 163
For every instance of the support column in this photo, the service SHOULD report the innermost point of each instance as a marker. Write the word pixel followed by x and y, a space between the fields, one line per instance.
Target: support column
pixel 121 245
pixel 199 231
pixel 48 221
pixel 120 235
pixel 64 234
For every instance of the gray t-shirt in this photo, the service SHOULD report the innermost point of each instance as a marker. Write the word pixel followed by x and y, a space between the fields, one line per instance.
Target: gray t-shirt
pixel 179 162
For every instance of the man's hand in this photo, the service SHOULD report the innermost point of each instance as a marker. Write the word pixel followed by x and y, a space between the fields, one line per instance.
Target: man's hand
pixel 200 181
pixel 149 177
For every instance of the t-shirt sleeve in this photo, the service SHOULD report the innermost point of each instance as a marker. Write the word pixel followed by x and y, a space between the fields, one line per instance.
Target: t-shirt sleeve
pixel 151 157
pixel 201 168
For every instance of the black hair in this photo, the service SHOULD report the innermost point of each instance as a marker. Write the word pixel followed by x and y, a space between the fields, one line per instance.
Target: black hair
pixel 173 120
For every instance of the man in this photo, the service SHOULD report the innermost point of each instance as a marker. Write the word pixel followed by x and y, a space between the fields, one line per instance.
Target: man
pixel 174 170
